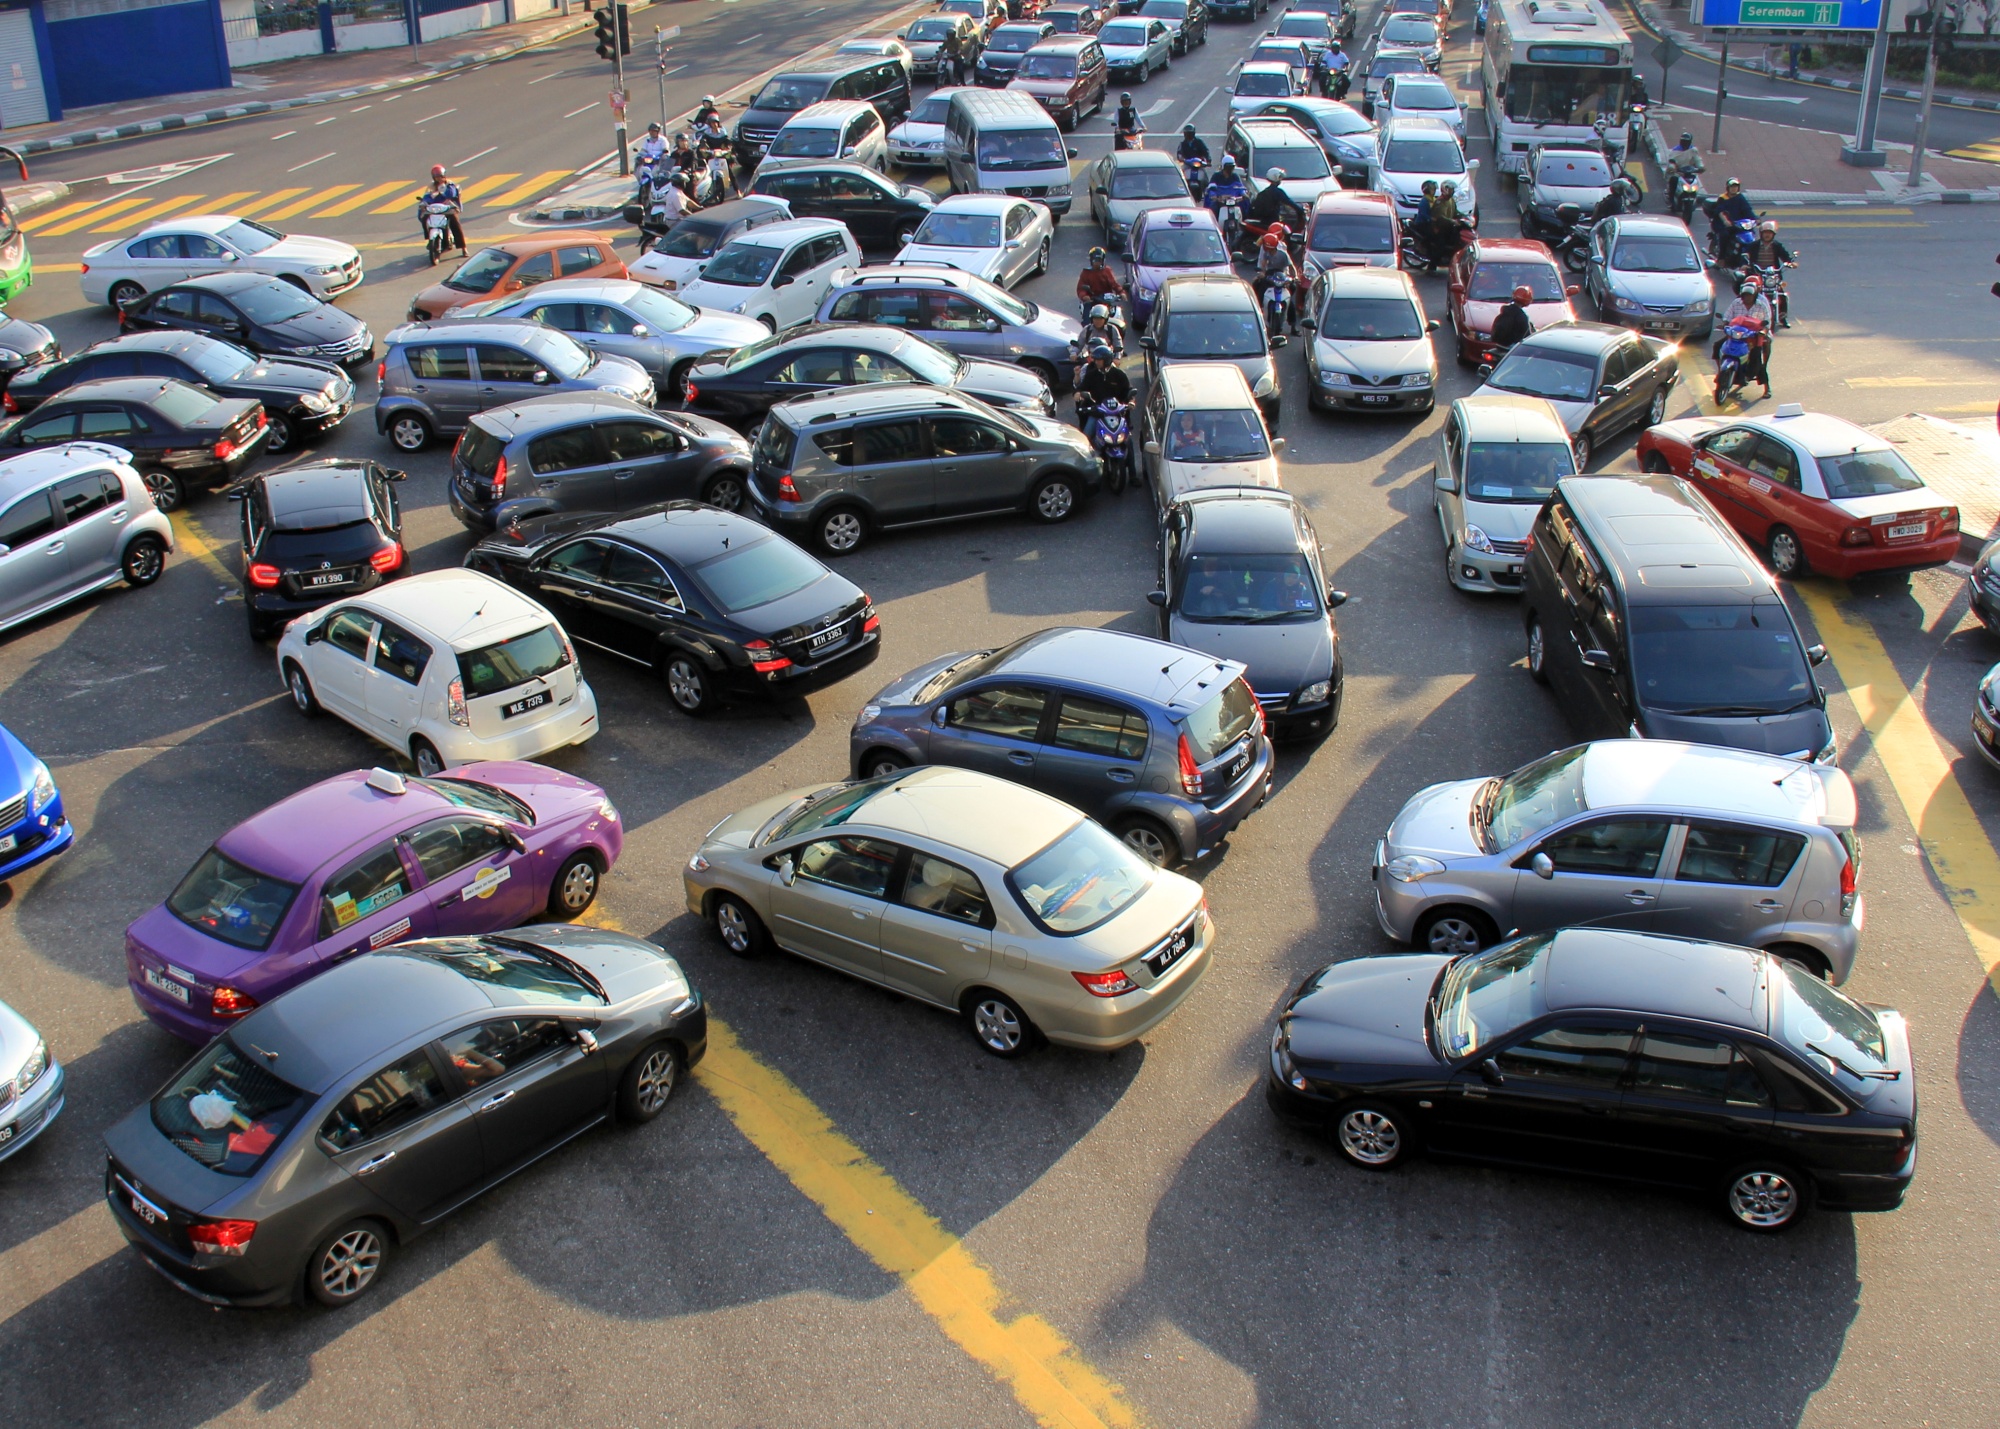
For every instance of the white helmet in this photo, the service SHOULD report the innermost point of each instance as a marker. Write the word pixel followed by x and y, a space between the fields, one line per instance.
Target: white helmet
pixel 1276 176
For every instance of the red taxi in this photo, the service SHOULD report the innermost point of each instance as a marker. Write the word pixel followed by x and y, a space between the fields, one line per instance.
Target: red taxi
pixel 1483 278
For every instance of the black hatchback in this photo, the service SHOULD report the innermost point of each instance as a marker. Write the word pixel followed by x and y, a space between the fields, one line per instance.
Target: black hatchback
pixel 712 601
pixel 301 399
pixel 176 433
pixel 314 533
pixel 1667 1061
pixel 265 314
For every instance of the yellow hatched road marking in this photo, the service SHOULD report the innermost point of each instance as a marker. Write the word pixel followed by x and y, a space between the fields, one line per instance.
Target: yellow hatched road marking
pixel 146 215
pixel 484 186
pixel 42 220
pixel 402 201
pixel 268 201
pixel 189 537
pixel 1985 153
pixel 531 189
pixel 1967 868
pixel 292 210
pixel 225 203
pixel 103 211
pixel 348 205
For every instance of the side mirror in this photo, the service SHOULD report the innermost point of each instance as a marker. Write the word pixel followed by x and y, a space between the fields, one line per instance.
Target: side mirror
pixel 788 872
pixel 783 280
pixel 586 1039
pixel 543 377
pixel 1013 243
pixel 1431 326
pixel 1151 449
pixel 1277 444
pixel 1816 654
pixel 993 324
pixel 941 716
pixel 1609 389
pixel 1157 597
pixel 1543 866
pixel 1335 599
pixel 228 257
pixel 1598 660
pixel 1099 189
pixel 513 285
pixel 515 841
pixel 1071 152
pixel 1472 166
pixel 1309 324
pixel 641 330
pixel 1485 369
pixel 1444 481
pixel 316 633
pixel 1489 1073
pixel 7 550
pixel 1148 343
pixel 388 475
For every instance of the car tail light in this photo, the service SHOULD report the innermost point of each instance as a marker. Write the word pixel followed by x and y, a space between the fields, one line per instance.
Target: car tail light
pixel 869 619
pixel 763 659
pixel 388 558
pixel 1847 888
pixel 569 650
pixel 1947 520
pixel 1190 771
pixel 263 419
pixel 381 371
pixel 1856 536
pixel 262 576
pixel 454 705
pixel 787 490
pixel 1111 984
pixel 500 478
pixel 224 449
pixel 83 268
pixel 222 1237
pixel 9 404
pixel 688 390
pixel 231 1002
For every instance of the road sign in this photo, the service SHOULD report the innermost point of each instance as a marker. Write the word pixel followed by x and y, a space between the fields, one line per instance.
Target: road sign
pixel 618 98
pixel 1668 50
pixel 1791 14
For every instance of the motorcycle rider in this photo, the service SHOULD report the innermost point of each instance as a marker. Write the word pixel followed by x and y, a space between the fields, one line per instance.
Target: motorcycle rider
pixel 1750 303
pixel 1192 146
pixel 1128 127
pixel 652 148
pixel 1768 252
pixel 707 113
pixel 1097 282
pixel 1099 329
pixel 1226 186
pixel 442 190
pixel 1104 380
pixel 683 156
pixel 1514 321
pixel 1272 204
pixel 1683 158
pixel 1275 257
pixel 1732 208
pixel 1446 222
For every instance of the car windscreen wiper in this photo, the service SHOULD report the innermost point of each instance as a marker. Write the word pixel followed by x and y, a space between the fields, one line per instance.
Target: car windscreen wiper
pixel 1723 710
pixel 549 955
pixel 1885 1074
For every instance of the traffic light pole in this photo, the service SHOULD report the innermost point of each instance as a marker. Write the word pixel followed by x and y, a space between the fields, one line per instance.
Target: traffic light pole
pixel 618 87
pixel 613 40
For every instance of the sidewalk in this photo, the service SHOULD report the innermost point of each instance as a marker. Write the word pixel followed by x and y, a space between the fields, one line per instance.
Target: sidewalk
pixel 1961 463
pixel 1782 164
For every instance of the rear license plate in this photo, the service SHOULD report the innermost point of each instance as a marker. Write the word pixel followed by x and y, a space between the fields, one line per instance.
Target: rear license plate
pixel 326 578
pixel 524 704
pixel 1375 398
pixel 1176 949
pixel 1898 532
pixel 6 1134
pixel 825 638
pixel 1239 765
pixel 168 986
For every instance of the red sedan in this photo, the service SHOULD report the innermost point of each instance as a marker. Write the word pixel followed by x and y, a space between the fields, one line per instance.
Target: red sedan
pixel 1812 492
pixel 1484 276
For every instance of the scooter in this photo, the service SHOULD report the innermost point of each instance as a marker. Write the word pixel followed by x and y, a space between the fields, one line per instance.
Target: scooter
pixel 1277 307
pixel 1684 195
pixel 1736 343
pixel 1343 80
pixel 1727 242
pixel 1229 214
pixel 1572 241
pixel 1111 436
pixel 437 230
pixel 1772 281
pixel 1196 173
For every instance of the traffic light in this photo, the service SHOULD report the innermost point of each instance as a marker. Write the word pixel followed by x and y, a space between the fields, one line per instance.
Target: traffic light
pixel 624 29
pixel 607 33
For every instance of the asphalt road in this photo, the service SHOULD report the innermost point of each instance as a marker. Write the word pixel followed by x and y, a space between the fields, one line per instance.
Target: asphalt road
pixel 1142 1208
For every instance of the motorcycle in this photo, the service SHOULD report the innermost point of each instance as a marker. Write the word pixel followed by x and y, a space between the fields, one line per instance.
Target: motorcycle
pixel 1416 251
pixel 1253 233
pixel 1772 281
pixel 648 213
pixel 1343 81
pixel 1196 173
pixel 1727 241
pixel 1109 300
pixel 944 73
pixel 1229 214
pixel 1572 243
pixel 437 230
pixel 1277 307
pixel 1737 341
pixel 1111 438
pixel 1684 195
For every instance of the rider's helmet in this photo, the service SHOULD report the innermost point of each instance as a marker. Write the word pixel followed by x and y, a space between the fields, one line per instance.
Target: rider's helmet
pixel 1734 183
pixel 1687 139
pixel 654 127
pixel 1272 238
pixel 1188 130
pixel 1276 176
pixel 1125 100
pixel 1100 350
pixel 1769 225
pixel 1228 166
pixel 1749 290
pixel 437 171
pixel 1097 255
pixel 708 100
pixel 1524 295
pixel 1100 311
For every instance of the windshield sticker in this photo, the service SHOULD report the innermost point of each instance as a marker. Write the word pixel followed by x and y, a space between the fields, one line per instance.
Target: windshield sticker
pixel 487 881
pixel 389 934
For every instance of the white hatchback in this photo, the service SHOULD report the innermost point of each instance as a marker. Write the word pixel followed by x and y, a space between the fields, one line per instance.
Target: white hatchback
pixel 1001 239
pixel 918 142
pixel 445 667
pixel 115 273
pixel 776 274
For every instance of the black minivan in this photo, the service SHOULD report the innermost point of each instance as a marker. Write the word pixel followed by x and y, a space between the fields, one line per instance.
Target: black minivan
pixel 880 81
pixel 1650 617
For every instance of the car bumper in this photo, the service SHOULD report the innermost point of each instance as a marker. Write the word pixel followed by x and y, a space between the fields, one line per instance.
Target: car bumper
pixel 1364 399
pixel 797 680
pixel 1845 562
pixel 1293 1106
pixel 1855 1191
pixel 318 424
pixel 30 1117
pixel 237 1285
pixel 1665 324
pixel 918 158
pixel 1213 823
pixel 1487 572
pixel 576 722
pixel 279 606
pixel 36 842
pixel 1116 1022
pixel 1288 721
pixel 1985 735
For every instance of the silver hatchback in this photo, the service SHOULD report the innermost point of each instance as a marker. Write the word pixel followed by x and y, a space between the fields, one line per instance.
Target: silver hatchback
pixel 74 519
pixel 620 318
pixel 1642 835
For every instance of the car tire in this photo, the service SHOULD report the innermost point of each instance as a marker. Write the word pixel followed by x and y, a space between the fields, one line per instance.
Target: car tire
pixel 279 434
pixel 676 385
pixel 1807 958
pixel 1657 412
pixel 1042 259
pixel 1373 1135
pixel 840 531
pixel 346 1264
pixel 770 323
pixel 878 762
pixel 303 698
pixel 1586 447
pixel 739 927
pixel 1766 1197
pixel 144 560
pixel 297 282
pixel 1454 929
pixel 688 684
pixel 649 1083
pixel 998 1024
pixel 409 432
pixel 1041 369
pixel 123 293
pixel 261 627
pixel 1054 499
pixel 1538 651
pixel 726 491
pixel 574 887
pixel 1784 553
pixel 425 756
pixel 1150 839
pixel 165 488
pixel 1145 71
pixel 1655 464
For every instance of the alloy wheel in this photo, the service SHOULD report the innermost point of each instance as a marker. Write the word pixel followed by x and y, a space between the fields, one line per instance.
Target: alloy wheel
pixel 1763 1200
pixel 144 561
pixel 277 433
pixel 409 433
pixel 350 1263
pixel 841 532
pixel 997 1025
pixel 1537 648
pixel 1370 1137
pixel 1055 501
pixel 684 683
pixel 659 1074
pixel 1145 841
pixel 1454 936
pixel 164 487
pixel 1657 413
pixel 428 761
pixel 725 493
pixel 579 886
pixel 734 927
pixel 1784 552
pixel 301 691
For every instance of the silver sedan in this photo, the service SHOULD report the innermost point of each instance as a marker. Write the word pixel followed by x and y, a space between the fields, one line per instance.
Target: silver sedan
pixel 1001 239
pixel 626 319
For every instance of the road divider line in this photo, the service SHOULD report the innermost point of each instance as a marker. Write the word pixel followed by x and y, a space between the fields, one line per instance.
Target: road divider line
pixel 366 196
pixel 293 210
pixel 1949 832
pixel 101 211
pixel 520 193
pixel 147 215
pixel 269 201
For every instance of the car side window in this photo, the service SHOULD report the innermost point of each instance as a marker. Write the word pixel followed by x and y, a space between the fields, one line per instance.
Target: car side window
pixel 1454 445
pixel 799 261
pixel 952 313
pixel 962 436
pixel 28 519
pixel 1100 727
pixel 200 245
pixel 400 654
pixel 819 367
pixel 557 315
pixel 440 364
pixel 828 248
pixel 635 574
pixel 392 1098
pixel 794 188
pixel 352 632
pixel 1007 711
pixel 537 269
pixel 850 308
pixel 935 886
pixel 1738 445
pixel 1694 1068
pixel 854 188
pixel 578 259
pixel 856 864
pixel 897 310
pixel 59 427
pixel 210 309
pixel 493 1049
pixel 1628 847
pixel 1570 1055
pixel 1725 853
pixel 580 560
pixel 175 304
pixel 567 450
pixel 505 364
pixel 444 847
pixel 838 445
pixel 884 442
pixel 368 885
pixel 1018 218
pixel 85 495
pixel 636 441
pixel 1775 461
pixel 603 318
pixel 869 366
pixel 107 422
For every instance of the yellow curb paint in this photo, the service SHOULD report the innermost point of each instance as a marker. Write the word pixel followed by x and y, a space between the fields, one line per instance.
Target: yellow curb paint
pixel 1952 838
pixel 192 539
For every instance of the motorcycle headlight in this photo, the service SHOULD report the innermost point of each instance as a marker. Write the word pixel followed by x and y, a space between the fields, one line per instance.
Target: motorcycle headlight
pixel 32 1069
pixel 1477 540
pixel 1315 692
pixel 1412 868
pixel 43 791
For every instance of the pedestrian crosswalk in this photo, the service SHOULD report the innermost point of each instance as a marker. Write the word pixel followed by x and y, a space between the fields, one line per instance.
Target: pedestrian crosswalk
pixel 1986 152
pixel 105 214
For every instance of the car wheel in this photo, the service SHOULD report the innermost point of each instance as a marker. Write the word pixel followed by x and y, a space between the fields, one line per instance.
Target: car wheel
pixel 145 558
pixel 1657 413
pixel 770 325
pixel 424 755
pixel 741 930
pixel 1145 71
pixel 725 492
pixel 409 432
pixel 1656 464
pixel 1041 369
pixel 297 282
pixel 303 698
pixel 1455 931
pixel 165 489
pixel 997 1024
pixel 1042 259
pixel 649 1083
pixel 1784 554
pixel 1150 839
pixel 278 433
pixel 1373 1136
pixel 840 531
pixel 123 293
pixel 1803 956
pixel 675 389
pixel 575 887
pixel 1766 1197
pixel 1586 448
pixel 1053 499
pixel 688 685
pixel 344 1266
pixel 878 763
pixel 1538 652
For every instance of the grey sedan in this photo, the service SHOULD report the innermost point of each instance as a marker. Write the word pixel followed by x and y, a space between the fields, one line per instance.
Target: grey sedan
pixel 1340 128
pixel 1600 379
pixel 626 319
pixel 1129 182
pixel 1644 273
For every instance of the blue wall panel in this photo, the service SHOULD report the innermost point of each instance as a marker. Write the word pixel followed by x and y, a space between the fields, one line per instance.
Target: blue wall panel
pixel 134 54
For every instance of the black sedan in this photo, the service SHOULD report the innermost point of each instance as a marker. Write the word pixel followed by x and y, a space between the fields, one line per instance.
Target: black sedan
pixel 24 344
pixel 175 433
pixel 1667 1061
pixel 710 600
pixel 328 1127
pixel 253 310
pixel 314 533
pixel 301 399
pixel 878 211
pixel 743 385
pixel 1600 379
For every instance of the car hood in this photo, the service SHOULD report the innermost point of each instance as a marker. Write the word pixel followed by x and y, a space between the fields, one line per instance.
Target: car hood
pixel 1802 731
pixel 628 967
pixel 658 268
pixel 1183 476
pixel 1686 430
pixel 1368 1010
pixel 299 249
pixel 17 766
pixel 20 335
pixel 999 382
pixel 1679 289
pixel 902 690
pixel 1573 414
pixel 291 376
pixel 17 1040
pixel 1584 196
pixel 730 330
pixel 1150 277
pixel 325 323
pixel 1479 314
pixel 911 132
pixel 1280 658
pixel 1502 520
pixel 983 261
pixel 1438 821
pixel 1374 359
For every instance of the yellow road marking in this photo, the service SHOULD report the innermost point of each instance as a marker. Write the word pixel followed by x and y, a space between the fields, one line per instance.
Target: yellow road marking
pixel 348 205
pixel 484 186
pixel 1986 153
pixel 78 268
pixel 1917 382
pixel 292 210
pixel 42 220
pixel 402 201
pixel 1052 1381
pixel 222 205
pixel 1967 868
pixel 147 215
pixel 189 537
pixel 268 201
pixel 531 189
pixel 104 211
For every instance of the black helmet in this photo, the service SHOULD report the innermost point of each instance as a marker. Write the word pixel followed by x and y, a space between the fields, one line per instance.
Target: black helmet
pixel 1687 138
pixel 1125 98
pixel 1188 129
pixel 1097 255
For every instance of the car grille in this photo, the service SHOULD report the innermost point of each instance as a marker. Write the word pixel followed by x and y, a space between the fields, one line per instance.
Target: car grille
pixel 12 811
pixel 1989 581
pixel 1040 191
pixel 346 348
pixel 6 1098
pixel 1274 702
pixel 1357 380
pixel 1510 548
pixel 760 137
pixel 1668 308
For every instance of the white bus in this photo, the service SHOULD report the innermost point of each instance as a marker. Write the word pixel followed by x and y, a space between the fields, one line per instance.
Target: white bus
pixel 1552 69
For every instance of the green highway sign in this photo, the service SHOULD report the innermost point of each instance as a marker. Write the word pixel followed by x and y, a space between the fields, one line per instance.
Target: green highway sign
pixel 1790 14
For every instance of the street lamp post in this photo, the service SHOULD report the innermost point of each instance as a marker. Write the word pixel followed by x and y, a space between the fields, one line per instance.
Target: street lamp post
pixel 1924 109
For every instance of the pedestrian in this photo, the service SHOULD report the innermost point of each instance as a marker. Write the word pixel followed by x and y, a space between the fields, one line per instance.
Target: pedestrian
pixel 1792 54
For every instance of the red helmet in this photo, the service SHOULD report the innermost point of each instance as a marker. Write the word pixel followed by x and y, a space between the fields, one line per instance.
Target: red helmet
pixel 1524 295
pixel 1271 238
pixel 437 171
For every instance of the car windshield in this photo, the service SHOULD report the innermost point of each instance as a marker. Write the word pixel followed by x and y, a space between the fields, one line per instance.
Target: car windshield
pixel 749 576
pixel 1495 282
pixel 1304 27
pixel 932 28
pixel 1011 41
pixel 481 271
pixel 274 302
pixel 1370 320
pixel 742 265
pixel 1130 33
pixel 184 406
pixel 248 237
pixel 1264 82
pixel 1824 1025
pixel 1082 880
pixel 218 361
pixel 1524 472
pixel 1414 31
pixel 1208 333
pixel 1395 64
pixel 791 94
pixel 1484 996
pixel 1151 181
pixel 1248 590
pixel 470 794
pixel 1668 253
pixel 823 808
pixel 1049 67
pixel 222 898
pixel 561 354
pixel 1164 9
pixel 1351 233
pixel 690 238
pixel 928 361
pixel 931 110
pixel 806 141
pixel 1423 156
pixel 1534 796
pixel 493 668
pixel 1229 715
pixel 1547 372
pixel 1719 659
pixel 1568 170
pixel 1299 161
pixel 525 972
pixel 1882 473
pixel 1410 94
pixel 662 312
pixel 1231 434
pixel 226 1110
pixel 960 230
pixel 1007 150
pixel 1169 245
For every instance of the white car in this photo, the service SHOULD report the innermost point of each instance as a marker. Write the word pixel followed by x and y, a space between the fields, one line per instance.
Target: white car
pixel 1001 239
pixel 445 667
pixel 1295 55
pixel 1259 83
pixel 1414 150
pixel 1421 96
pixel 918 142
pixel 164 253
pixel 846 129
pixel 776 274
pixel 677 259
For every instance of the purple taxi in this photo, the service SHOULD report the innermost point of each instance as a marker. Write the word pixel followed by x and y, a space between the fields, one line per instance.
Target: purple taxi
pixel 1166 242
pixel 360 861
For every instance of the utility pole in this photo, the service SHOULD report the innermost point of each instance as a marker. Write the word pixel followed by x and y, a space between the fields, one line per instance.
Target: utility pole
pixel 1721 92
pixel 660 71
pixel 1862 153
pixel 614 42
pixel 1924 109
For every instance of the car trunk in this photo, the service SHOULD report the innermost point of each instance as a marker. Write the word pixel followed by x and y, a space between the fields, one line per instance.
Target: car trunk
pixel 328 562
pixel 517 680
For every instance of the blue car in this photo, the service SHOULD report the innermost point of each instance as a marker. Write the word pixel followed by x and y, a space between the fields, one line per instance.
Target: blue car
pixel 32 827
pixel 1167 241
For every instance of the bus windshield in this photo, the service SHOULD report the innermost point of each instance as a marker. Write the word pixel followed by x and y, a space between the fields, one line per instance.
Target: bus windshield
pixel 1566 94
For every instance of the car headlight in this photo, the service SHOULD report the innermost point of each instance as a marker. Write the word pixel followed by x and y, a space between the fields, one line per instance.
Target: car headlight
pixel 307 351
pixel 326 272
pixel 32 1069
pixel 1417 379
pixel 607 811
pixel 1828 755
pixel 1315 692
pixel 1334 379
pixel 739 307
pixel 44 789
pixel 1058 190
pixel 1266 385
pixel 1412 868
pixel 1477 540
pixel 1281 1060
pixel 869 714
pixel 697 864
pixel 316 402
pixel 1699 305
pixel 1627 305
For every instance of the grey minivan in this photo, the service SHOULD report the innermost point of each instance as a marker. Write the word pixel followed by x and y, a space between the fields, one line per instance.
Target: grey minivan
pixel 1206 317
pixel 829 469
pixel 435 375
pixel 960 313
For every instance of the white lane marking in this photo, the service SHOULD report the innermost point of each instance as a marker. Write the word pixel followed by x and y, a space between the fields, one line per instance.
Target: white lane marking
pixel 574 112
pixel 359 107
pixel 1161 107
pixel 480 155
pixel 1709 90
pixel 310 162
pixel 286 135
pixel 1217 89
pixel 553 74
pixel 328 120
pixel 439 115
pixel 747 40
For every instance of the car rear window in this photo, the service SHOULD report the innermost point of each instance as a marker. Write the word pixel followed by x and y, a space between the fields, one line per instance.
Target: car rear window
pixel 1226 718
pixel 750 576
pixel 1494 282
pixel 183 405
pixel 480 449
pixel 493 668
pixel 1351 233
pixel 1882 473
pixel 226 1110
pixel 222 898
pixel 774 444
pixel 1085 878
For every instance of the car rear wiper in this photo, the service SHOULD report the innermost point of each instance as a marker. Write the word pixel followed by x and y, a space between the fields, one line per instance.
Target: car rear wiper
pixel 1886 1074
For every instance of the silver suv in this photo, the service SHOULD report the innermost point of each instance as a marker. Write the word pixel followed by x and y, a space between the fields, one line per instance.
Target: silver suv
pixel 1644 835
pixel 73 519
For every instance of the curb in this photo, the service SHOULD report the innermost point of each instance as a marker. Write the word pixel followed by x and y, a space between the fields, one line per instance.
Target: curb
pixel 26 198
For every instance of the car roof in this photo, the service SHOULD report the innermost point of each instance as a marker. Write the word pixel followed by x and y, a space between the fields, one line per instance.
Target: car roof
pixel 474 329
pixel 231 282
pixel 319 493
pixel 1267 67
pixel 1244 520
pixel 932 274
pixel 977 203
pixel 153 340
pixel 1653 973
pixel 831 111
pixel 1578 336
pixel 869 401
pixel 535 242
pixel 121 389
pixel 340 812
pixel 610 290
pixel 464 609
pixel 832 64
pixel 689 532
pixel 192 223
pixel 1510 417
pixel 810 335
pixel 1422 81
pixel 1353 201
pixel 1208 292
pixel 962 808
pixel 1511 250
pixel 1421 127
pixel 1661 224
pixel 1369 282
pixel 1176 215
pixel 744 207
pixel 1205 385
pixel 1170 677
pixel 792 228
pixel 1665 545
pixel 1032 27
pixel 1818 434
pixel 1063 44
pixel 556 409
pixel 37 467
pixel 1143 159
pixel 1624 773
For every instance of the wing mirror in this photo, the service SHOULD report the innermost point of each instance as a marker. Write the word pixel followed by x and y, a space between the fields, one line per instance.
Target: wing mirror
pixel 5 549
pixel 1157 597
pixel 586 1039
pixel 788 872
pixel 1277 445
pixel 1609 389
pixel 515 841
pixel 1151 448
pixel 388 475
pixel 1598 660
pixel 316 633
pixel 1542 866
pixel 1071 152
pixel 1309 324
pixel 940 716
pixel 1485 369
pixel 1431 326
pixel 641 330
pixel 1489 1073
pixel 1816 654
pixel 543 377
pixel 783 280
pixel 993 324
pixel 1444 481
pixel 1335 599
pixel 1148 343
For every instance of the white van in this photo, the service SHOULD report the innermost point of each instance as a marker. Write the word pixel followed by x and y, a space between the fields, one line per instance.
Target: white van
pixel 1003 141
pixel 832 129
pixel 1203 428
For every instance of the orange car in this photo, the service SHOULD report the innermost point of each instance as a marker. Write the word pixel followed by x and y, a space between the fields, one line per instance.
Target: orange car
pixel 507 267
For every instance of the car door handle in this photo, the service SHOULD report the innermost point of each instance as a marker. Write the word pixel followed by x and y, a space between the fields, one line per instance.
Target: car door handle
pixel 1119 776
pixel 383 1160
pixel 500 1100
pixel 947 469
pixel 971 947
pixel 858 914
pixel 119 515
pixel 418 387
pixel 54 548
pixel 1769 905
pixel 1016 757
pixel 1638 898
pixel 623 475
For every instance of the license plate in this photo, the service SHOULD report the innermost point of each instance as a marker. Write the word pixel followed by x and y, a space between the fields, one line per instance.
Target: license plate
pixel 144 1210
pixel 1238 765
pixel 6 1134
pixel 1173 952
pixel 7 844
pixel 825 638
pixel 1513 570
pixel 1374 398
pixel 168 986
pixel 1897 532
pixel 524 704
pixel 326 578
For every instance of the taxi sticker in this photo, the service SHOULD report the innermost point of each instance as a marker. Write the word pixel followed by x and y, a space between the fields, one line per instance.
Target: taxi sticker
pixel 389 934
pixel 344 911
pixel 1706 467
pixel 486 881
pixel 381 899
pixel 1760 486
